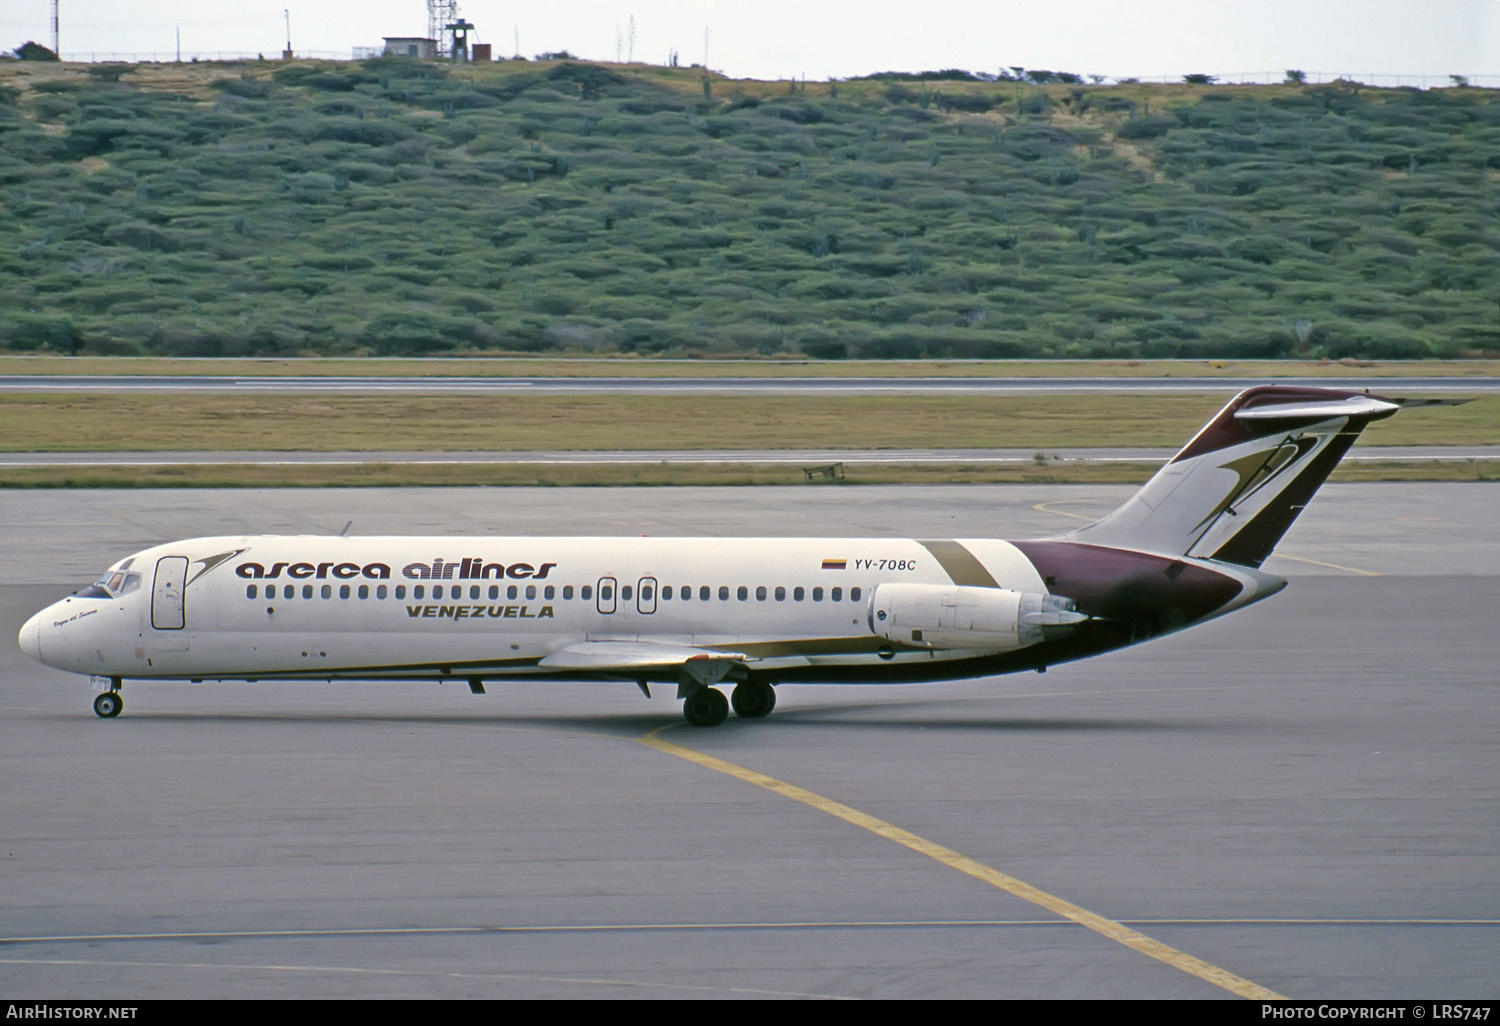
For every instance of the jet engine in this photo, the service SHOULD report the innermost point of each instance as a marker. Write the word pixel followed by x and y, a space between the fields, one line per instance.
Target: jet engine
pixel 953 616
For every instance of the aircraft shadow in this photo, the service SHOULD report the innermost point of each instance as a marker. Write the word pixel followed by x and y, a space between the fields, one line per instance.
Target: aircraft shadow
pixel 635 725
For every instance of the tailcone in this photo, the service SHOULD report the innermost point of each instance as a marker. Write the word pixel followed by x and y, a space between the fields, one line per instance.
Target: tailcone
pixel 1153 594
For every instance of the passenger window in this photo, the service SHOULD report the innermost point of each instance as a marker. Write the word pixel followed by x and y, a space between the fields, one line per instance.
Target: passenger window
pixel 548 592
pixel 343 591
pixel 250 591
pixel 742 593
pixel 364 591
pixel 473 591
pixel 760 593
pixel 512 592
pixel 380 591
pixel 704 594
pixel 328 591
pixel 437 591
pixel 586 592
pixel 666 593
pixel 401 591
pixel 494 592
pixel 797 594
pixel 606 593
pixel 307 591
pixel 723 593
pixel 853 594
pixel 836 595
pixel 531 591
pixel 418 591
pixel 646 593
pixel 817 594
pixel 567 592
pixel 780 594
pixel 625 593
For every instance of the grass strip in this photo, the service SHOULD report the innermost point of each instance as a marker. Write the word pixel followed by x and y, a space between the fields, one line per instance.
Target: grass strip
pixel 629 367
pixel 312 423
pixel 607 475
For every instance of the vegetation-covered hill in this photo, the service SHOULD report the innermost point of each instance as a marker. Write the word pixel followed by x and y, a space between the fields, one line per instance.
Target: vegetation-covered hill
pixel 401 207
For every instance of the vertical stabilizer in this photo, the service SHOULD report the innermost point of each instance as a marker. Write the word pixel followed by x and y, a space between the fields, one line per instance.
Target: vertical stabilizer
pixel 1233 491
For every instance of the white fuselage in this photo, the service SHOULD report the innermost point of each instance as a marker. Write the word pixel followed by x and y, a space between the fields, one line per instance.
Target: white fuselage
pixel 417 608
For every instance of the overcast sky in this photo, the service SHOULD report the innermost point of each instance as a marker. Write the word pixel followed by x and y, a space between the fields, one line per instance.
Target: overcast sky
pixel 822 39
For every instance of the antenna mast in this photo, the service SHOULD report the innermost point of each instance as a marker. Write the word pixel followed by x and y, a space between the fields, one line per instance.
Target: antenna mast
pixel 55 51
pixel 440 15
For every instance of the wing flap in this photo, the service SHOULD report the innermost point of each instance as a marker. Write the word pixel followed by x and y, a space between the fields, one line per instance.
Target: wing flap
pixel 635 655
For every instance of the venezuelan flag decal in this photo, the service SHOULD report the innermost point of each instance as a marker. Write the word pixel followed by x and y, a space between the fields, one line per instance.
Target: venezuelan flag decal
pixel 835 564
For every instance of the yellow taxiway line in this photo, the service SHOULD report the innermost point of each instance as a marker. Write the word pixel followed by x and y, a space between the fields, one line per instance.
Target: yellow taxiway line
pixel 1115 931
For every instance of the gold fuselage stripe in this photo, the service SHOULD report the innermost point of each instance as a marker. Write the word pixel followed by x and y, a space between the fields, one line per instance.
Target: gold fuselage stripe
pixel 960 564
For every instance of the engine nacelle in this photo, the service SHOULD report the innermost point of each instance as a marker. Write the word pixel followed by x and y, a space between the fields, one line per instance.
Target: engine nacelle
pixel 953 616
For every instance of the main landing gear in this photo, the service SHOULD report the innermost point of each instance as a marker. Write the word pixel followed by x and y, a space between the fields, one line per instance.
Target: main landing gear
pixel 753 699
pixel 707 706
pixel 107 704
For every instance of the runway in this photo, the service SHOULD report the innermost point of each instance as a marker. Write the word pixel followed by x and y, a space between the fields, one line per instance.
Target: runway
pixel 711 385
pixel 1303 794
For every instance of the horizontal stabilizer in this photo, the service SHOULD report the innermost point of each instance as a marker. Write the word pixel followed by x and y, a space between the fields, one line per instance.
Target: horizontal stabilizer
pixel 1411 402
pixel 1352 406
pixel 633 655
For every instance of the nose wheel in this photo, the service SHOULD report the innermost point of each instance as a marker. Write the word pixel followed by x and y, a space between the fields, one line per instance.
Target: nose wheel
pixel 108 705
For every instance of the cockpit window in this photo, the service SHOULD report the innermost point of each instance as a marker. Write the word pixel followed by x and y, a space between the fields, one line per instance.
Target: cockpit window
pixel 112 585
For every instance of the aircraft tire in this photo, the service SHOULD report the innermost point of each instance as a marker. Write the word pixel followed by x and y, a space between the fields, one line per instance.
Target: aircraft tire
pixel 108 705
pixel 753 699
pixel 706 707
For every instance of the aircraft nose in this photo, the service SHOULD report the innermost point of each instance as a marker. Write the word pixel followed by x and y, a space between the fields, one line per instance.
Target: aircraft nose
pixel 31 637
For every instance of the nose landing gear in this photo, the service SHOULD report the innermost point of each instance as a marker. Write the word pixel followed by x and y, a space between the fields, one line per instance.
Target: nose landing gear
pixel 107 704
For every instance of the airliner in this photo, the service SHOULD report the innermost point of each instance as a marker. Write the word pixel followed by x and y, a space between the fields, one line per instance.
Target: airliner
pixel 713 614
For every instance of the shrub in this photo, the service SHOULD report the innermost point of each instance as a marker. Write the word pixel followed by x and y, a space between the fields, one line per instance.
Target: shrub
pixel 244 86
pixel 1149 127
pixel 31 51
pixel 26 331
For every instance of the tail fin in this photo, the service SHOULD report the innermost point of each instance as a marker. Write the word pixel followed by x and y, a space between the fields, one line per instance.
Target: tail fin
pixel 1233 491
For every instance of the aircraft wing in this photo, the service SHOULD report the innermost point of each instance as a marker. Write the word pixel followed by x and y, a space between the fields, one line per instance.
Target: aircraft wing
pixel 639 655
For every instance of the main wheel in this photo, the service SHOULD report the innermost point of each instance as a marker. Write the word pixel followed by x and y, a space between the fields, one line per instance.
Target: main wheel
pixel 706 707
pixel 753 699
pixel 108 705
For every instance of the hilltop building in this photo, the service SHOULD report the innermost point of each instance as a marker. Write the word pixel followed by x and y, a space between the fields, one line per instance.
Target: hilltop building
pixel 410 46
